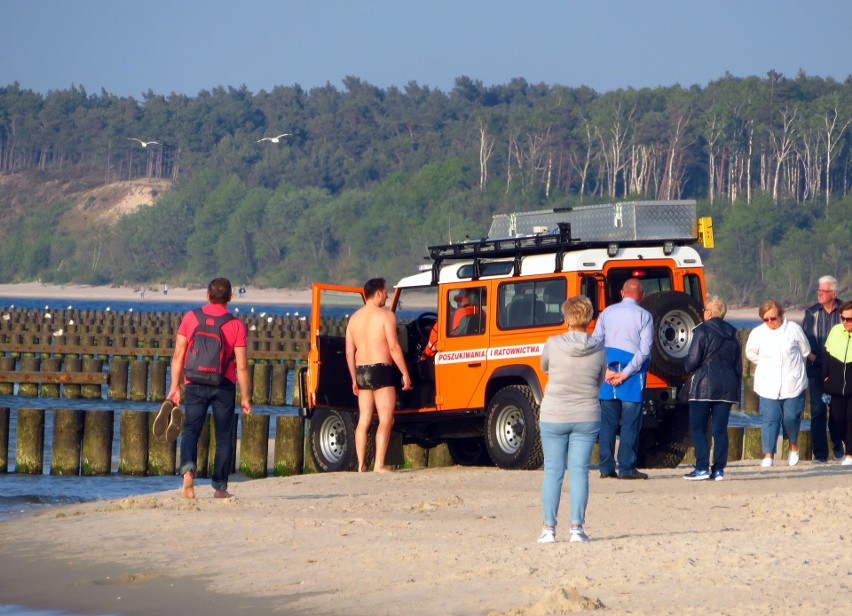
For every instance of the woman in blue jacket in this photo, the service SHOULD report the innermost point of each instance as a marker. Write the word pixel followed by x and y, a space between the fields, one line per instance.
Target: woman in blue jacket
pixel 715 361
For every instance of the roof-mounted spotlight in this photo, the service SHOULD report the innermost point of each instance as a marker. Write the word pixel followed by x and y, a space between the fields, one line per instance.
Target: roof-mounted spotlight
pixel 612 249
pixel 668 247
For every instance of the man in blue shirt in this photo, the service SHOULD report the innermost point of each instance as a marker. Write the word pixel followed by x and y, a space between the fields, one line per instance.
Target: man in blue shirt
pixel 626 331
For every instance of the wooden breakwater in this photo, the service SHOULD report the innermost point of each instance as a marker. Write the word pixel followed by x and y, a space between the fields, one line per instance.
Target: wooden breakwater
pixel 76 353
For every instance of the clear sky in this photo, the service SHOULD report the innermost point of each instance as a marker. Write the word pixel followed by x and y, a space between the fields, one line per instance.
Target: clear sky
pixel 185 46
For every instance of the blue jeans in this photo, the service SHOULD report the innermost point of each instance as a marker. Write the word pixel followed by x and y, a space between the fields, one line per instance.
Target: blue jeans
pixel 196 400
pixel 630 415
pixel 700 412
pixel 785 413
pixel 575 441
pixel 819 419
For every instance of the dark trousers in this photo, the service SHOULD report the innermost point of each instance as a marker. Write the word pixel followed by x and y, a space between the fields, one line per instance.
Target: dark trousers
pixel 700 412
pixel 841 418
pixel 819 419
pixel 222 400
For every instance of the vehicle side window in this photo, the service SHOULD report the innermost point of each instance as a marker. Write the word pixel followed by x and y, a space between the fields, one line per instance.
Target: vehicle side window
pixel 466 311
pixel 534 303
pixel 589 288
pixel 692 287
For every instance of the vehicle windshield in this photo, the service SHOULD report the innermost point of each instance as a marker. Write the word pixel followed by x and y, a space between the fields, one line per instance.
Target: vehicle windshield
pixel 412 301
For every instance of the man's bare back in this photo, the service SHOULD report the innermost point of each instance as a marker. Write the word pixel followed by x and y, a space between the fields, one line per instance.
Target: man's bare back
pixel 371 328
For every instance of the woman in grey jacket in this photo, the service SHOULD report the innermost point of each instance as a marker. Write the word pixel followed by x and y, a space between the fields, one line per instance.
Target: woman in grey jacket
pixel 715 360
pixel 570 416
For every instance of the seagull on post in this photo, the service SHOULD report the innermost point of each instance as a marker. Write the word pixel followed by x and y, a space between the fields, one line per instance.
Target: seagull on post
pixel 275 139
pixel 144 144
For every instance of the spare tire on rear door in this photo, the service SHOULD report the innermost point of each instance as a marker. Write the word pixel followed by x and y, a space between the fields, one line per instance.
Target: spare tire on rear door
pixel 675 315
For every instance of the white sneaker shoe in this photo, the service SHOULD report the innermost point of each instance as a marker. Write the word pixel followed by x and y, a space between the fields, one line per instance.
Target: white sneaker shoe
pixel 548 535
pixel 793 458
pixel 578 535
pixel 766 462
pixel 847 462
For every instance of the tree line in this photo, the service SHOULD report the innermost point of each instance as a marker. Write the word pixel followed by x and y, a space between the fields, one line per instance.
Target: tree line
pixel 368 177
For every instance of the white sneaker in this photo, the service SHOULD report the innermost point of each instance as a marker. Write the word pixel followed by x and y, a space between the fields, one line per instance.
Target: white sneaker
pixel 766 462
pixel 578 535
pixel 793 458
pixel 847 462
pixel 548 535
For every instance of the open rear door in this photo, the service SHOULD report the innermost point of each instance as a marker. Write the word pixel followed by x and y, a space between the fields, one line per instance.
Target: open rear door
pixel 327 382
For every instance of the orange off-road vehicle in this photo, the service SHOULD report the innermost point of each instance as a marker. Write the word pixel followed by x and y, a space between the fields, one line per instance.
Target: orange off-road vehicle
pixel 480 391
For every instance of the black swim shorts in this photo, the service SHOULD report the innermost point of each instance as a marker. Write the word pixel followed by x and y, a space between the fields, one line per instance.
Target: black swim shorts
pixel 374 376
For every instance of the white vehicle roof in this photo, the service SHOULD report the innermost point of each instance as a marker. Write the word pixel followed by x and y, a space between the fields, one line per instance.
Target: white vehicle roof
pixel 589 259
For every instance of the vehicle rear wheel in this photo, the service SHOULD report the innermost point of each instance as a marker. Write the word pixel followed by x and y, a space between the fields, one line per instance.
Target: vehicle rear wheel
pixel 511 429
pixel 469 452
pixel 675 315
pixel 332 438
pixel 666 445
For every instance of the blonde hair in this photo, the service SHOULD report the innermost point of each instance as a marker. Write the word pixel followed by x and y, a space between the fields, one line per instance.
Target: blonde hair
pixel 716 306
pixel 577 311
pixel 769 305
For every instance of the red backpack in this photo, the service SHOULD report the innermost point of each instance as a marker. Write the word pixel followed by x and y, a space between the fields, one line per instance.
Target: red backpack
pixel 206 362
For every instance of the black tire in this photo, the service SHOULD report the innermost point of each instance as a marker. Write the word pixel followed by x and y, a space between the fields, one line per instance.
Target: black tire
pixel 469 452
pixel 665 445
pixel 332 438
pixel 511 429
pixel 675 315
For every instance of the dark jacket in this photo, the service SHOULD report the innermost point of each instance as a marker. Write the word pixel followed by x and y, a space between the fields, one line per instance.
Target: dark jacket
pixel 837 362
pixel 715 359
pixel 809 326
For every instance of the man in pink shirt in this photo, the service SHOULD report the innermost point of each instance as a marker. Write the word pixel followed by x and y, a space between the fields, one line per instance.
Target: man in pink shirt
pixel 221 398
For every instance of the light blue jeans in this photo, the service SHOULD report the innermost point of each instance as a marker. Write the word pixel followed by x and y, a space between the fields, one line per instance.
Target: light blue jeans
pixel 572 442
pixel 785 413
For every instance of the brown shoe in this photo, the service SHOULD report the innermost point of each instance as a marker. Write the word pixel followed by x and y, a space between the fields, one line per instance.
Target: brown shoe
pixel 163 417
pixel 175 423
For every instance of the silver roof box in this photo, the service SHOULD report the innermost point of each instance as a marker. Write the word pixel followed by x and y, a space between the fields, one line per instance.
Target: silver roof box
pixel 607 222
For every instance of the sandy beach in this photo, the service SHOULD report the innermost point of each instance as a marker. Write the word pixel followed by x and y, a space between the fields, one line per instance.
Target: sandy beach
pixel 448 541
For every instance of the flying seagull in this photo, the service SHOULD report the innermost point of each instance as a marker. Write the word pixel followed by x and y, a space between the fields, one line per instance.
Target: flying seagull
pixel 275 139
pixel 144 144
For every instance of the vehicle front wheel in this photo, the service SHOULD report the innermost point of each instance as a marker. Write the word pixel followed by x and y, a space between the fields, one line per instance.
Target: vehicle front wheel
pixel 511 429
pixel 332 438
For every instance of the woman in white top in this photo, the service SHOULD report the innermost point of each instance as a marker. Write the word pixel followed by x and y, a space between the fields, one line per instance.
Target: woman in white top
pixel 779 348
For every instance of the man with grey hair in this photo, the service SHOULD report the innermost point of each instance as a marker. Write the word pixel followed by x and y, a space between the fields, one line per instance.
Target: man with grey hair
pixel 817 322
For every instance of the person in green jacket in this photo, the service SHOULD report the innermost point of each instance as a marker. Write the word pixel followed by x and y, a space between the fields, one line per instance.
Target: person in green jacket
pixel 837 377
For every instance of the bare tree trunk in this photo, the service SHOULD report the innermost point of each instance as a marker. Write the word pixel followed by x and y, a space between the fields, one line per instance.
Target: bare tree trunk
pixel 833 135
pixel 783 144
pixel 486 148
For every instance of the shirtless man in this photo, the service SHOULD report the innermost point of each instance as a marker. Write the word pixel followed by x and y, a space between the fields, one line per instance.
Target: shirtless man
pixel 372 347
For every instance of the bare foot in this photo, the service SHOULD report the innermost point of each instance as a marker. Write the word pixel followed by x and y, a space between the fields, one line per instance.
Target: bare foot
pixel 362 468
pixel 222 494
pixel 187 490
pixel 382 469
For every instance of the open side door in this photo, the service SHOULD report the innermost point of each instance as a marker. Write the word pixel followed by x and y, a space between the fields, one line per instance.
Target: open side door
pixel 327 382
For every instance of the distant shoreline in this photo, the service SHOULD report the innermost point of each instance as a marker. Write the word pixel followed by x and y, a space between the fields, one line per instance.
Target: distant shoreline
pixel 288 297
pixel 299 297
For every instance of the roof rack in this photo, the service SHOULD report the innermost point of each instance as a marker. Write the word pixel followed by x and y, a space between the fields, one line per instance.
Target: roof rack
pixel 637 223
